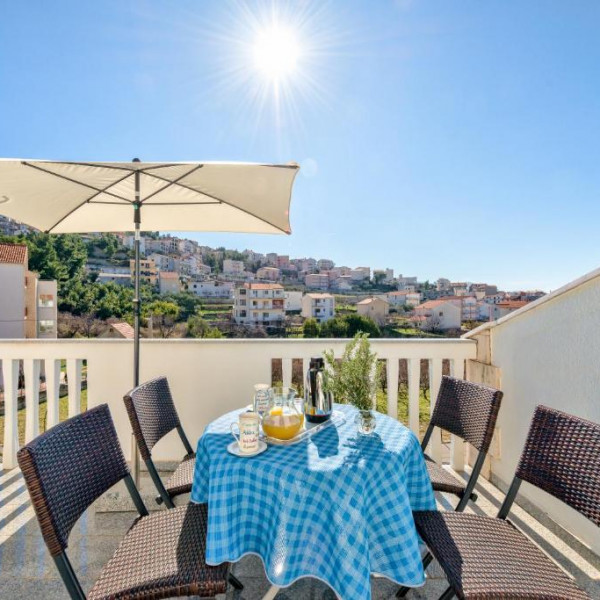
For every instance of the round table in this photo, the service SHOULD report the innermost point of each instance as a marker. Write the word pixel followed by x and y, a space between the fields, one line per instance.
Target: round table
pixel 337 506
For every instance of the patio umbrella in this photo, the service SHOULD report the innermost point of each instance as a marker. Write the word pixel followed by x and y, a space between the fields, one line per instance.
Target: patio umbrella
pixel 82 197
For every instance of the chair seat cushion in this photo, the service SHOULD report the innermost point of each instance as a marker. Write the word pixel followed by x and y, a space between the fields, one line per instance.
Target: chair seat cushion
pixel 442 480
pixel 162 556
pixel 486 558
pixel 183 476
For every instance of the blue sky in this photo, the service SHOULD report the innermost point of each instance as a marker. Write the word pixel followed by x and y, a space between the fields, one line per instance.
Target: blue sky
pixel 454 139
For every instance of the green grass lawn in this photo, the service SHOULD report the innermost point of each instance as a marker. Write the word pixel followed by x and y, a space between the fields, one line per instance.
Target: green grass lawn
pixel 63 411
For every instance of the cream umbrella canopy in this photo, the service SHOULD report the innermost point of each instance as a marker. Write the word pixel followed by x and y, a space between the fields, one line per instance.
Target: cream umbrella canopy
pixel 80 197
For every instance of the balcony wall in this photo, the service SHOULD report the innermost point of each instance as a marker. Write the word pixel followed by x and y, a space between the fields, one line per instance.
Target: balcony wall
pixel 545 353
pixel 207 377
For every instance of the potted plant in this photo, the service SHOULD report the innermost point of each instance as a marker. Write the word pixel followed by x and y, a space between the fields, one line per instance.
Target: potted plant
pixel 353 379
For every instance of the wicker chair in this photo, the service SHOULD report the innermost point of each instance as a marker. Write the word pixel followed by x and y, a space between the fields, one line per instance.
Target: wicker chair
pixel 162 555
pixel 469 411
pixel 152 415
pixel 486 557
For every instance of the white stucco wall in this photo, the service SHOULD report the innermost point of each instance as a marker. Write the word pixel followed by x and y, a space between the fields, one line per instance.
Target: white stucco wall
pixel 12 301
pixel 549 354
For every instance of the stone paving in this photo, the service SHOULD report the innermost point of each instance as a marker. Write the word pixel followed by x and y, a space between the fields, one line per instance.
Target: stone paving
pixel 27 571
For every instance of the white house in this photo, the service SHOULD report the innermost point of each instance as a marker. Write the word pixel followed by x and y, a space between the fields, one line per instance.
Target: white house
pixel 438 315
pixel 293 301
pixel 402 298
pixel 259 304
pixel 318 306
pixel 268 273
pixel 212 289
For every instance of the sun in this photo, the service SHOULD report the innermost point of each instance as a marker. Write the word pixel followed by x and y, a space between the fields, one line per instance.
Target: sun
pixel 276 52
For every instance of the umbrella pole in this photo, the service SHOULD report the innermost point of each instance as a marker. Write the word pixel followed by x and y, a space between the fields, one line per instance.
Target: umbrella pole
pixel 137 309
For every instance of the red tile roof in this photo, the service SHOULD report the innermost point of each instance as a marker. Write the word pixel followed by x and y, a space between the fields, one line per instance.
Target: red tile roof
pixel 512 303
pixel 14 254
pixel 433 303
pixel 168 275
pixel 263 286
pixel 125 329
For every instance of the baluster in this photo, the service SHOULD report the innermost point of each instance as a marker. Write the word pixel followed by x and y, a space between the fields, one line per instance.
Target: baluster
pixel 286 371
pixel 10 371
pixel 414 380
pixel 435 378
pixel 31 368
pixel 457 446
pixel 52 368
pixel 74 385
pixel 392 374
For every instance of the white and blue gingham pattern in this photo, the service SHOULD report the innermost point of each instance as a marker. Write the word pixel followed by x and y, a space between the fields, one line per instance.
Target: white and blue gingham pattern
pixel 337 506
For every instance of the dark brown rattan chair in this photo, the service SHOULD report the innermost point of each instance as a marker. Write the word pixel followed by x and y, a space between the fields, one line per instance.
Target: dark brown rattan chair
pixel 152 415
pixel 486 557
pixel 162 555
pixel 469 411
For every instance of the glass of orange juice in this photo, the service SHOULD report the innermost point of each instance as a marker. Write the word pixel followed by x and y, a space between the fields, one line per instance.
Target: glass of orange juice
pixel 283 420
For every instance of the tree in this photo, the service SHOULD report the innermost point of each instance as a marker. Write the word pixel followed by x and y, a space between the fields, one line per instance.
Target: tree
pixel 311 328
pixel 378 278
pixel 361 324
pixel 335 328
pixel 164 314
pixel 197 327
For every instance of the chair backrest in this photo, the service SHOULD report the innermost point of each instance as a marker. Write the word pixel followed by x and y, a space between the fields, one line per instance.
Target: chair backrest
pixel 67 468
pixel 152 413
pixel 468 410
pixel 562 457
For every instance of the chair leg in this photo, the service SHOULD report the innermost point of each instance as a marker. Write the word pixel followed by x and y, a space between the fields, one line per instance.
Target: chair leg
pixel 401 593
pixel 235 582
pixel 449 593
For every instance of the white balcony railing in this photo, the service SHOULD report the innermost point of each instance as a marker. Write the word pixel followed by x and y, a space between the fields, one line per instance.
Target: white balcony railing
pixel 207 378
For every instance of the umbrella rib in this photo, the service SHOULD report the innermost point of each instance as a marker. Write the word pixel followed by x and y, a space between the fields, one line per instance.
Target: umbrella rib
pixel 174 182
pixel 87 185
pixel 221 201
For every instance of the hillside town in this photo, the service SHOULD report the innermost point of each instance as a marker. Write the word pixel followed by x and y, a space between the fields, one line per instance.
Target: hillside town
pixel 242 293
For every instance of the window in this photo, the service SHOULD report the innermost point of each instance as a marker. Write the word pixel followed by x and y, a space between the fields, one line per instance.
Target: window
pixel 242 313
pixel 441 313
pixel 46 326
pixel 242 302
pixel 265 315
pixel 46 301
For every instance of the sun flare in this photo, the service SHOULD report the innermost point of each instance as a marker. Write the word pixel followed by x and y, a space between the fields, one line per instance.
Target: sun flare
pixel 276 52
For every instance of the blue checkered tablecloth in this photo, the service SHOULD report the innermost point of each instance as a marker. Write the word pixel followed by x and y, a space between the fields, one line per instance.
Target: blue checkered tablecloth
pixel 337 506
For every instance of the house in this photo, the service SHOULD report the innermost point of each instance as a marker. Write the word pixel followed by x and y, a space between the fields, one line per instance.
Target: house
pixel 497 311
pixel 118 278
pixel 385 275
pixel 28 305
pixel 438 315
pixel 396 299
pixel 468 305
pixel 233 267
pixel 318 306
pixel 268 273
pixel 292 301
pixel 375 308
pixel 259 304
pixel 360 274
pixel 168 282
pixel 405 282
pixel 317 281
pixel 119 331
pixel 212 289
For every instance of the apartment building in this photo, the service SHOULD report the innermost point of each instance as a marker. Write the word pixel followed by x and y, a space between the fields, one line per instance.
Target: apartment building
pixel 325 264
pixel 162 261
pixel 361 274
pixel 293 301
pixel 386 275
pixel 268 273
pixel 259 304
pixel 233 267
pixel 405 283
pixel 318 306
pixel 374 308
pixel 316 281
pixel 28 305
pixel 148 270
